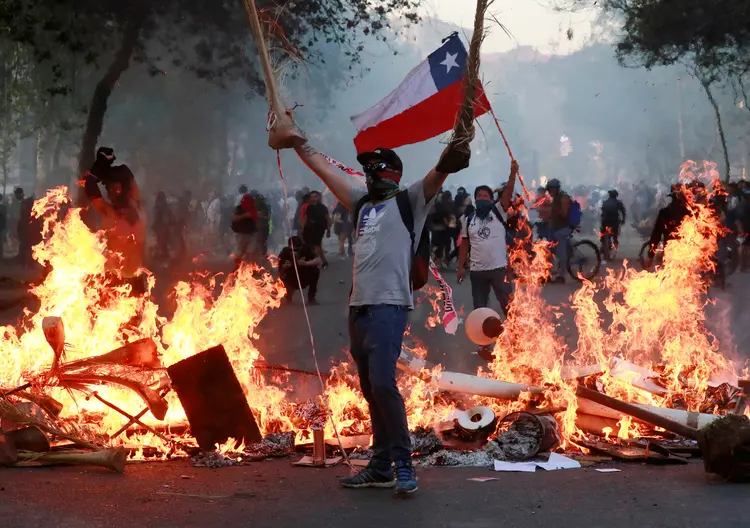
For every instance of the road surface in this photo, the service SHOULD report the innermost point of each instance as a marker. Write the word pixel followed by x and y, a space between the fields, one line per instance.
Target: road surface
pixel 275 494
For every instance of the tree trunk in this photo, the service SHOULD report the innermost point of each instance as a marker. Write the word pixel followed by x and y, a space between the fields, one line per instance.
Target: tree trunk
pixel 707 87
pixel 98 107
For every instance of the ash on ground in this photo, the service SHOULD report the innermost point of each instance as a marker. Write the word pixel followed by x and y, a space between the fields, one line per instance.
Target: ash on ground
pixel 519 442
pixel 214 459
pixel 451 458
pixel 424 441
pixel 276 445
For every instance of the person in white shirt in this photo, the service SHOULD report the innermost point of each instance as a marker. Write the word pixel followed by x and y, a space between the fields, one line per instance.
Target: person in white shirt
pixel 484 244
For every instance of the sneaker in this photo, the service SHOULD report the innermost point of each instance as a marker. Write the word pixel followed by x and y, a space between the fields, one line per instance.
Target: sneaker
pixel 369 478
pixel 406 478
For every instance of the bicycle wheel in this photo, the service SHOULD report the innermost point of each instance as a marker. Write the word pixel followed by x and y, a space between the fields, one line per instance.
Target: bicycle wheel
pixel 584 260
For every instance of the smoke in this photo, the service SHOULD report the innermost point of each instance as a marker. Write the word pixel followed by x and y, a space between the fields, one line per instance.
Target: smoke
pixel 179 132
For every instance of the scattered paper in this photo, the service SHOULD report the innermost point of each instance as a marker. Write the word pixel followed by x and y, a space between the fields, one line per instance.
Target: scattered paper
pixel 608 470
pixel 557 461
pixel 482 479
pixel 523 467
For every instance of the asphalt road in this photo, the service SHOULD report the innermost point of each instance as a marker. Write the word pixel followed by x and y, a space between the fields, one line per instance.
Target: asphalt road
pixel 277 494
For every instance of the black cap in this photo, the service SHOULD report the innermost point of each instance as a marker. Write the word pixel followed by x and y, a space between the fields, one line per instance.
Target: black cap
pixel 381 154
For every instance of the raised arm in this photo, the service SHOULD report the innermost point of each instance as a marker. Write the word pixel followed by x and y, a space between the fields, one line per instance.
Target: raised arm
pixel 507 197
pixel 94 194
pixel 341 185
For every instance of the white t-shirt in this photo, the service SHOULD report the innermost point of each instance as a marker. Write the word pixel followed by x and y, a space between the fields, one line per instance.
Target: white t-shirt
pixel 488 250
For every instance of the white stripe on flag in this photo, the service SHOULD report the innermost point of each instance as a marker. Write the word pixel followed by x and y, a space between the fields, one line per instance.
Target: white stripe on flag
pixel 418 86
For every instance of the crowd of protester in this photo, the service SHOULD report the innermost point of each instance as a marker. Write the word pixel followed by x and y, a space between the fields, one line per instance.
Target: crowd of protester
pixel 248 224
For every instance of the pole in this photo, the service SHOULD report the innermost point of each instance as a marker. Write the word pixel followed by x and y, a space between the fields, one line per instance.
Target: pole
pixel 679 119
pixel 637 412
pixel 526 194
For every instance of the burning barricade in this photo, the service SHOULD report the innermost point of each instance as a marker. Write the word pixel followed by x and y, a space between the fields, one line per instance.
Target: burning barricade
pixel 96 375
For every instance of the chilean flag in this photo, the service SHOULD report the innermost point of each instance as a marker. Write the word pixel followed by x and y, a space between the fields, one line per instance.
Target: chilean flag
pixel 424 105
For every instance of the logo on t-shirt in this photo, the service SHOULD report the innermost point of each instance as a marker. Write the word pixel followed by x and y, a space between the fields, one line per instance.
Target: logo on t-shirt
pixel 371 216
pixel 484 232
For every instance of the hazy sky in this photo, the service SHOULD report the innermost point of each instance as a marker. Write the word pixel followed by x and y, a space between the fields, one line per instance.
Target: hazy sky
pixel 531 23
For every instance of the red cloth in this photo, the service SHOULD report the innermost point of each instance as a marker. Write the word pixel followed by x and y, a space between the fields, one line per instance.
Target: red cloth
pixel 303 210
pixel 248 206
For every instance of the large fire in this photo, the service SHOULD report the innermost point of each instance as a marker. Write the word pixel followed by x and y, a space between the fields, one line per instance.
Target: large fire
pixel 656 325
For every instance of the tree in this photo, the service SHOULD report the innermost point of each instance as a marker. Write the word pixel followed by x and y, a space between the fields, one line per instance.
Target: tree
pixel 710 37
pixel 204 37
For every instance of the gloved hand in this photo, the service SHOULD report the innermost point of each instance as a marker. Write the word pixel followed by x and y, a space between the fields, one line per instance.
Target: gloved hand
pixel 105 157
pixel 454 159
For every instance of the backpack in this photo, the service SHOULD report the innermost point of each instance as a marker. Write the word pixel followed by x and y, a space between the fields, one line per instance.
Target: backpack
pixel 420 264
pixel 575 213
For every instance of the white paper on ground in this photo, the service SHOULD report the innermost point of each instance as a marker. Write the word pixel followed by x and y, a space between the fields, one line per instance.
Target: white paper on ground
pixel 482 479
pixel 608 470
pixel 557 461
pixel 523 467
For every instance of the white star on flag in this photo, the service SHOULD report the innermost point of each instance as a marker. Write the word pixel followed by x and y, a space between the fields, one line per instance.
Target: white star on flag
pixel 450 61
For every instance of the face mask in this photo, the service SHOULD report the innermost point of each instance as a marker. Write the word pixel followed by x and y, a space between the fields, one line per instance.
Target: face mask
pixel 380 188
pixel 483 208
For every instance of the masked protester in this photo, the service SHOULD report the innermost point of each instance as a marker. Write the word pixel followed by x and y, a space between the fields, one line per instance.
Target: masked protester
pixel 381 296
pixel 484 246
pixel 299 268
pixel 122 218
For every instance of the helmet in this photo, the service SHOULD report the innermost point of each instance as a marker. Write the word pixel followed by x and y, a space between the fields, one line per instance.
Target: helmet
pixel 554 183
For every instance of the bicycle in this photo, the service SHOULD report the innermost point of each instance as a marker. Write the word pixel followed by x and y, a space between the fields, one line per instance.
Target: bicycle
pixel 609 246
pixel 730 262
pixel 581 265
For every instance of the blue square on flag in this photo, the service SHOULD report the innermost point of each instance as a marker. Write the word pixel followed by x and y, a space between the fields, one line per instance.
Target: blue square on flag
pixel 448 63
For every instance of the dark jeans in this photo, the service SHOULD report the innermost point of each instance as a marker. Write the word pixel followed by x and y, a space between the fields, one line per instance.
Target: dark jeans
pixel 482 281
pixel 264 229
pixel 376 334
pixel 441 244
pixel 308 277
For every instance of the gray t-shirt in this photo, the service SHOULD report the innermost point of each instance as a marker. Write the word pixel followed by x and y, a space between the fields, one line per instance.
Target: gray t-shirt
pixel 382 250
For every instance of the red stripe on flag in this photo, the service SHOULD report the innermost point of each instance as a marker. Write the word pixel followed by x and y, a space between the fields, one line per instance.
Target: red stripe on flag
pixel 425 120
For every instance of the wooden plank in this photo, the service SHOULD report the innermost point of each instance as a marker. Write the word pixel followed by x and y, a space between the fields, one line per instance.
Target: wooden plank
pixel 212 397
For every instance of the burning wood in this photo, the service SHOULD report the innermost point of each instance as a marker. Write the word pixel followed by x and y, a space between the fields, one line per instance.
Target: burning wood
pixel 112 459
pixel 649 417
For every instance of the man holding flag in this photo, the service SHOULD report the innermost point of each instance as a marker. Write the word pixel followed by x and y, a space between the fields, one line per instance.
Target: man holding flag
pixel 388 223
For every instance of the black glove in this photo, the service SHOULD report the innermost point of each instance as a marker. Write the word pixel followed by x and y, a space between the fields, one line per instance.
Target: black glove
pixel 105 157
pixel 455 158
